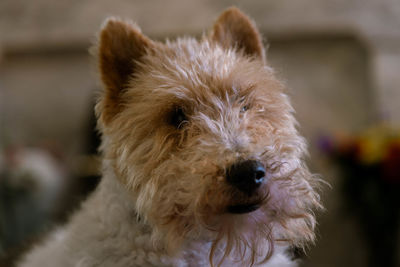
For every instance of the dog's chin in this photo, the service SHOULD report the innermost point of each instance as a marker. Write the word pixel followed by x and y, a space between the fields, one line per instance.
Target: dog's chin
pixel 243 208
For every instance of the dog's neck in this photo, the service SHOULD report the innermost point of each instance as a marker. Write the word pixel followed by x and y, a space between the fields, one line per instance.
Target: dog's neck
pixel 115 212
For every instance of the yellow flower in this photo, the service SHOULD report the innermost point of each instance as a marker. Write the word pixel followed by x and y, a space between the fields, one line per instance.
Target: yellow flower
pixel 374 144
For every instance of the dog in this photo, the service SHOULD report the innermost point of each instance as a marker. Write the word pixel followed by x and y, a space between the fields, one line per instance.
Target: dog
pixel 202 161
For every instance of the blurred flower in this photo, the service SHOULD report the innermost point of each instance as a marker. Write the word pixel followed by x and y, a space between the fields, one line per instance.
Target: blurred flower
pixel 378 146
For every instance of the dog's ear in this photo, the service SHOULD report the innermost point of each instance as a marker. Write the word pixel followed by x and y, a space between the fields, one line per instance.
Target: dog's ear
pixel 120 48
pixel 233 29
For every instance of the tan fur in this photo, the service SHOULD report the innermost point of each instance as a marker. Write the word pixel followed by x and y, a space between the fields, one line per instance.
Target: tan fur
pixel 176 175
pixel 121 43
pixel 234 29
pixel 232 108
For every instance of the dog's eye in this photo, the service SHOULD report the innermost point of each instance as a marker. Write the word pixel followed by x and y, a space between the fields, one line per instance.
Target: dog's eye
pixel 244 108
pixel 178 118
pixel 244 105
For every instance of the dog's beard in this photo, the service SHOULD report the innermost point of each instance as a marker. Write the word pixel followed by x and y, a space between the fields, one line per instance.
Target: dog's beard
pixel 285 216
pixel 244 239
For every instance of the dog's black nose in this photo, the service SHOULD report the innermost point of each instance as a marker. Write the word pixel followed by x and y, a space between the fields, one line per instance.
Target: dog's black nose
pixel 246 176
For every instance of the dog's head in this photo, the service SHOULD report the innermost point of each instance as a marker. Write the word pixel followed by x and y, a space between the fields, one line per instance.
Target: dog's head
pixel 202 134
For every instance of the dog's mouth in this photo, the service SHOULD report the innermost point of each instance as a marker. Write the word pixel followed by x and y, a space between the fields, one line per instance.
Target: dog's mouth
pixel 243 208
pixel 246 205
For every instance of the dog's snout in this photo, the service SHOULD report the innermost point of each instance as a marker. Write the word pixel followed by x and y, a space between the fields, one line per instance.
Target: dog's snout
pixel 246 176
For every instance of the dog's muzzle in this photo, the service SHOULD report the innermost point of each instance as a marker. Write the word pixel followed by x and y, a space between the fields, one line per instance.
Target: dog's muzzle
pixel 246 177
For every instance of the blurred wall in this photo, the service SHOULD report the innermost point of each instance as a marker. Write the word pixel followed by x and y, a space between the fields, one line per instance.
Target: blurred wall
pixel 339 58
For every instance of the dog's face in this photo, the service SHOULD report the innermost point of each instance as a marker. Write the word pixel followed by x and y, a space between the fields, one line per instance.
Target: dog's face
pixel 203 136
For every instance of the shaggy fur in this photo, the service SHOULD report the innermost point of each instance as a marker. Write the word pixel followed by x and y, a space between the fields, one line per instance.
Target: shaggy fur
pixel 174 116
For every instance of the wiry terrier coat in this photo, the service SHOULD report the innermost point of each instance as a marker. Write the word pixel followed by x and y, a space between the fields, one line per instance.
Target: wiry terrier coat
pixel 203 164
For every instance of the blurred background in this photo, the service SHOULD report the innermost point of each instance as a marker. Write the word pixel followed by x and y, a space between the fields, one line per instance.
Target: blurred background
pixel 339 58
